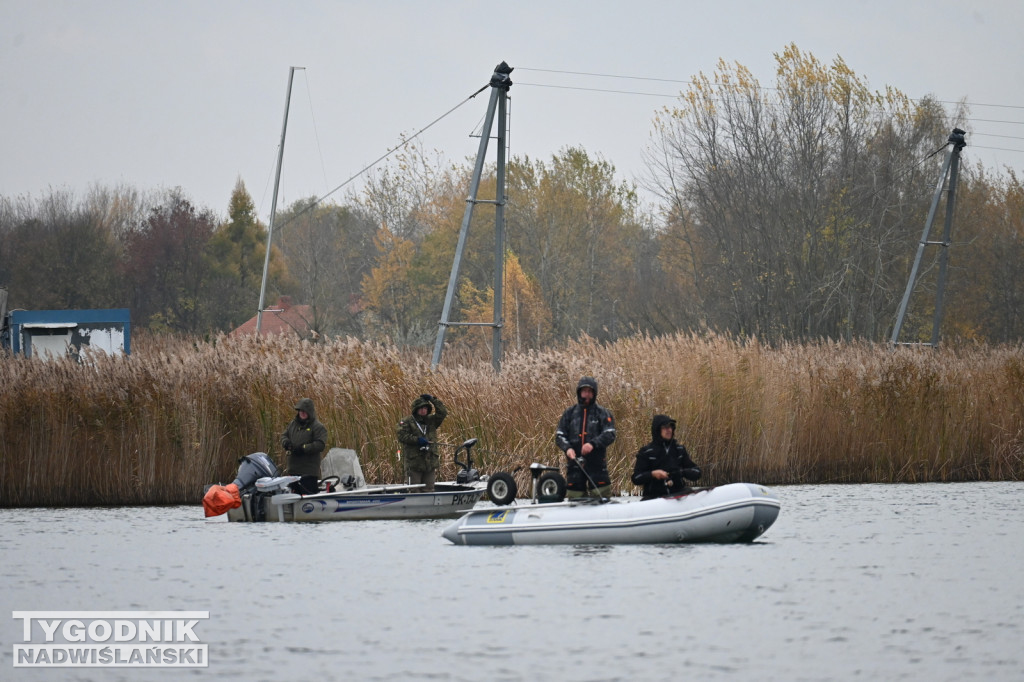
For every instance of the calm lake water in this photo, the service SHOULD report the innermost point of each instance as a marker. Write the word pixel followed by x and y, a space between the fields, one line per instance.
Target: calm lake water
pixel 871 582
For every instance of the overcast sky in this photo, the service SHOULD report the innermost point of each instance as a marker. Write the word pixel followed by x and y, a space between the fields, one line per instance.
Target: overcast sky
pixel 191 94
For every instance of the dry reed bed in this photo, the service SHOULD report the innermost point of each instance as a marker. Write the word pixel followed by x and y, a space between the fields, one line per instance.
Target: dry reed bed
pixel 154 427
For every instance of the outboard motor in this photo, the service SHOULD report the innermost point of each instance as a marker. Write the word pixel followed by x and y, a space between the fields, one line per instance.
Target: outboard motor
pixel 222 498
pixel 253 467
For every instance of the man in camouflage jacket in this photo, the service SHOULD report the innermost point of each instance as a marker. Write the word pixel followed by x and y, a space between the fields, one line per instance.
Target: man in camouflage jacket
pixel 417 433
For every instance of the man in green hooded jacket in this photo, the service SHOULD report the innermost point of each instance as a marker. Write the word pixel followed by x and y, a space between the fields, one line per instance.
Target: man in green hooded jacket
pixel 304 440
pixel 417 434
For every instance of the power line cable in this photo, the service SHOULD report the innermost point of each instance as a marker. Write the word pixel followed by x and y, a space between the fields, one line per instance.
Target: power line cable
pixel 1008 137
pixel 998 149
pixel 405 143
pixel 688 82
pixel 617 92
pixel 408 140
pixel 316 133
pixel 676 96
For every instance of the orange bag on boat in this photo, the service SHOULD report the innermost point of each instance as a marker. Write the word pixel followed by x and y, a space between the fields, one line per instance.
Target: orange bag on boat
pixel 220 498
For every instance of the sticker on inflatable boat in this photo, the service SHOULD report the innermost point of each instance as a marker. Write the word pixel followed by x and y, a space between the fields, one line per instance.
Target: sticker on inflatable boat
pixel 500 517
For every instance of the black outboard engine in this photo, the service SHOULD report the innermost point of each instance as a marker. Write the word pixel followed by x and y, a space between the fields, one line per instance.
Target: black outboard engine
pixel 253 467
pixel 466 473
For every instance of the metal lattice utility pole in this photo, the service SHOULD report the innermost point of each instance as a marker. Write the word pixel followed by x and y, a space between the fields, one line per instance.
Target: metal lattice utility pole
pixel 500 84
pixel 950 169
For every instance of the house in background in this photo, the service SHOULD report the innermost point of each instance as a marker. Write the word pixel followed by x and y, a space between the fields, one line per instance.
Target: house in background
pixel 57 333
pixel 284 317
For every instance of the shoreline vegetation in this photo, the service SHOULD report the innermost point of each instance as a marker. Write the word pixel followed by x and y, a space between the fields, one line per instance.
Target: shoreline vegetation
pixel 157 426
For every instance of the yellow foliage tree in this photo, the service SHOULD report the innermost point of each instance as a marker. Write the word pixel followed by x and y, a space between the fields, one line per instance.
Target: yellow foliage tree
pixel 388 294
pixel 526 318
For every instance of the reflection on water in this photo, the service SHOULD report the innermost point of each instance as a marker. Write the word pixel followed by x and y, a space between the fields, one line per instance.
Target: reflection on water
pixel 872 582
pixel 591 550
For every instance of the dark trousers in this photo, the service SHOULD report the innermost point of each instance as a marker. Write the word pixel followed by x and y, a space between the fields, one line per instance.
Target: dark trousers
pixel 576 479
pixel 307 485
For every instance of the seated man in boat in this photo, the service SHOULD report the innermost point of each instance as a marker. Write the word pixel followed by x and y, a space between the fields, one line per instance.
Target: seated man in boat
pixel 663 464
pixel 417 434
pixel 584 433
pixel 304 440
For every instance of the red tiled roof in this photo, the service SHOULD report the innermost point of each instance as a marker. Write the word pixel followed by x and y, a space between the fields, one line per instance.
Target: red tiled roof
pixel 281 318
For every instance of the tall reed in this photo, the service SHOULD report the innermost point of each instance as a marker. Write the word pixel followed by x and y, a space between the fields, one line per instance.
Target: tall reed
pixel 154 427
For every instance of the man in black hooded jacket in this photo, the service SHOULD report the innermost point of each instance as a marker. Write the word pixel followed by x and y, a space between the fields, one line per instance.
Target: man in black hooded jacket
pixel 662 464
pixel 584 433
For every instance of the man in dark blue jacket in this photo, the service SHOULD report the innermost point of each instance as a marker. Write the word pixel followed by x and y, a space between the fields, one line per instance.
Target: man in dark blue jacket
pixel 662 464
pixel 584 433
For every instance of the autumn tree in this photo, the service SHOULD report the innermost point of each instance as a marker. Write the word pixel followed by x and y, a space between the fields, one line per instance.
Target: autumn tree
pixel 526 319
pixel 122 208
pixel 575 235
pixel 985 290
pixel 404 291
pixel 167 275
pixel 54 253
pixel 235 255
pixel 402 193
pixel 577 230
pixel 391 299
pixel 329 249
pixel 794 208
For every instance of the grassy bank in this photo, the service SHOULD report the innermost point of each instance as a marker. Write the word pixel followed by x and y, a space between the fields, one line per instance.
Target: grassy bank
pixel 154 427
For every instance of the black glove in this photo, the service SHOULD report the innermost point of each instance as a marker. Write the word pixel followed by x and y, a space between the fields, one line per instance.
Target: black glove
pixel 422 442
pixel 693 473
pixel 288 445
pixel 428 397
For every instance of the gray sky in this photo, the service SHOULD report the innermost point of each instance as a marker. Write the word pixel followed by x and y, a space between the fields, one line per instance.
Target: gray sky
pixel 191 94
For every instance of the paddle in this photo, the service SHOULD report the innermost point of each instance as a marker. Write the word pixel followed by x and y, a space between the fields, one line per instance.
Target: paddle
pixel 604 500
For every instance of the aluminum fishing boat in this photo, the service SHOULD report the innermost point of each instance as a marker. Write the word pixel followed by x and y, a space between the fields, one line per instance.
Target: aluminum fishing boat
pixel 258 493
pixel 274 502
pixel 737 512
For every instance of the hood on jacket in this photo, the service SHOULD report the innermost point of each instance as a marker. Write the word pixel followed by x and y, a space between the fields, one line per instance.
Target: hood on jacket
pixel 586 381
pixel 306 405
pixel 659 421
pixel 421 402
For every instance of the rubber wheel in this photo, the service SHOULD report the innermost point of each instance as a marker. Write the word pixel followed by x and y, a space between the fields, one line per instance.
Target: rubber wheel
pixel 501 488
pixel 550 487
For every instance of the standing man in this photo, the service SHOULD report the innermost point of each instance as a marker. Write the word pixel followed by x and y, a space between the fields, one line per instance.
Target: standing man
pixel 304 440
pixel 417 434
pixel 584 433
